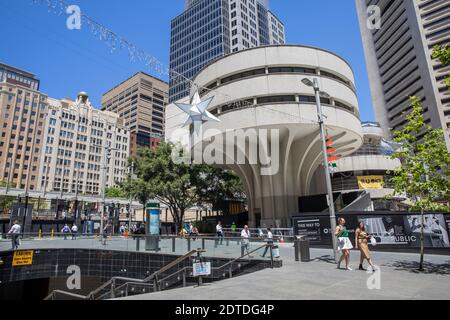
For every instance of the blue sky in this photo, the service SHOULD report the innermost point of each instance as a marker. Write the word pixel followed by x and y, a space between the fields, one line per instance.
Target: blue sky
pixel 71 61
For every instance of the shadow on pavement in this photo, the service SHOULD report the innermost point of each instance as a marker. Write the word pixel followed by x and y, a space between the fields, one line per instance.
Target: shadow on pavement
pixel 413 267
pixel 327 259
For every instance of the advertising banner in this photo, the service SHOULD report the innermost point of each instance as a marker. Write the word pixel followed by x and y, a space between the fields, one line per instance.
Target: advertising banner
pixel 312 229
pixel 370 182
pixel 153 218
pixel 396 229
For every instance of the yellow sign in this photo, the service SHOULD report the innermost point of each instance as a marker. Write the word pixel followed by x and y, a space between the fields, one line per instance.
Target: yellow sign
pixel 370 182
pixel 22 258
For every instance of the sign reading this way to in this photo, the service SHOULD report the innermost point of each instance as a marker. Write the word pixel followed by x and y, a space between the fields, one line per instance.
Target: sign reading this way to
pixel 22 258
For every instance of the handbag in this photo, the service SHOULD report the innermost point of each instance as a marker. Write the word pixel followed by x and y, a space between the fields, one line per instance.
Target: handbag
pixel 373 241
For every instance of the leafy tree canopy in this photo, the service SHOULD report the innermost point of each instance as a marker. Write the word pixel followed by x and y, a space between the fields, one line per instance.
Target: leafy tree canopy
pixel 425 172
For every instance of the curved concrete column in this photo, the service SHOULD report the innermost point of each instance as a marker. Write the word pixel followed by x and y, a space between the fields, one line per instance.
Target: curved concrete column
pixel 277 105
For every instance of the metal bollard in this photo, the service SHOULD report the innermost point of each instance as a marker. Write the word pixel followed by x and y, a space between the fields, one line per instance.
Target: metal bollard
pixel 297 249
pixel 173 244
pixel 138 243
pixel 271 255
pixel 304 250
pixel 228 242
pixel 203 243
pixel 189 244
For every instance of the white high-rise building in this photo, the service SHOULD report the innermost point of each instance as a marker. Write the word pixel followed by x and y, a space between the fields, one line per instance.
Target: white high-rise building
pixel 75 140
pixel 276 30
pixel 399 59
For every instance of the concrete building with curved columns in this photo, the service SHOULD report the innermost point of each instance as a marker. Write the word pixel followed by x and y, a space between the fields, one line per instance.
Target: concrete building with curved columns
pixel 261 88
pixel 372 162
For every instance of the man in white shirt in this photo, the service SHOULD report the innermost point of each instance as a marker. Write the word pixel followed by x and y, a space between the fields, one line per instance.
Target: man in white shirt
pixel 15 233
pixel 245 242
pixel 74 232
pixel 219 233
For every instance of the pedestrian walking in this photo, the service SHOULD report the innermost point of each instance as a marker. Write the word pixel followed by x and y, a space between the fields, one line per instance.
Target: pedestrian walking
pixel 362 243
pixel 191 229
pixel 122 229
pixel 260 233
pixel 194 233
pixel 74 232
pixel 233 228
pixel 65 231
pixel 15 234
pixel 344 243
pixel 245 241
pixel 269 241
pixel 219 233
pixel 105 233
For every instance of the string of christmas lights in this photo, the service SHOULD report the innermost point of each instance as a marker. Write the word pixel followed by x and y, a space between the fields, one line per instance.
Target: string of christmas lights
pixel 116 42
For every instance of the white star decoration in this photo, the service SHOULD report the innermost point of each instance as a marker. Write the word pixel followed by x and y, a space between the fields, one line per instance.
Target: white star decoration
pixel 197 110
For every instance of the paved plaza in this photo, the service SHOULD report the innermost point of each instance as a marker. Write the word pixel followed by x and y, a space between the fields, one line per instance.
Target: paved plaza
pixel 398 277
pixel 227 249
pixel 319 279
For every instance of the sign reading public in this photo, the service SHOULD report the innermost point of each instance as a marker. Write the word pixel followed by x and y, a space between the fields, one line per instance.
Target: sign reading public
pixel 22 258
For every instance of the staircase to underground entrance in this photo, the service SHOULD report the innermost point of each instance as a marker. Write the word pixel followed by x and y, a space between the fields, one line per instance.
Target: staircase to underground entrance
pixel 176 274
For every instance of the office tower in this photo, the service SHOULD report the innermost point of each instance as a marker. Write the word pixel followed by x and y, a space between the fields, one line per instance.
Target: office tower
pixel 23 110
pixel 276 30
pixel 399 61
pixel 19 77
pixel 209 29
pixel 74 154
pixel 140 101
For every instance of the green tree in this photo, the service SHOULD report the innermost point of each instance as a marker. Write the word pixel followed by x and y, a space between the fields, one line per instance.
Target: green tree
pixel 181 186
pixel 115 192
pixel 218 184
pixel 137 189
pixel 3 184
pixel 425 172
pixel 442 53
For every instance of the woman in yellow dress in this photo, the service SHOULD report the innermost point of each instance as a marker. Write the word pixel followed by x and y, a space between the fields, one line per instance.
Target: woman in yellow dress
pixel 361 241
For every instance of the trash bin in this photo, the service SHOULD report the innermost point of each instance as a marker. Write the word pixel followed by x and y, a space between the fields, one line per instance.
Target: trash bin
pixel 304 250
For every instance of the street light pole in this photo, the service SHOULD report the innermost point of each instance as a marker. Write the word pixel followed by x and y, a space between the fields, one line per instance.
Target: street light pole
pixel 102 211
pixel 330 198
pixel 131 197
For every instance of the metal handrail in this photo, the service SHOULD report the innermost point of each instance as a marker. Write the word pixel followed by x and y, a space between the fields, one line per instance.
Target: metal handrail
pixel 73 295
pixel 175 273
pixel 126 286
pixel 241 257
pixel 217 268
pixel 112 281
pixel 154 276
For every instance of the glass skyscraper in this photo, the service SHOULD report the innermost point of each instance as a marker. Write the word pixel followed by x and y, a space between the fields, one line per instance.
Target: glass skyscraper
pixel 209 29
